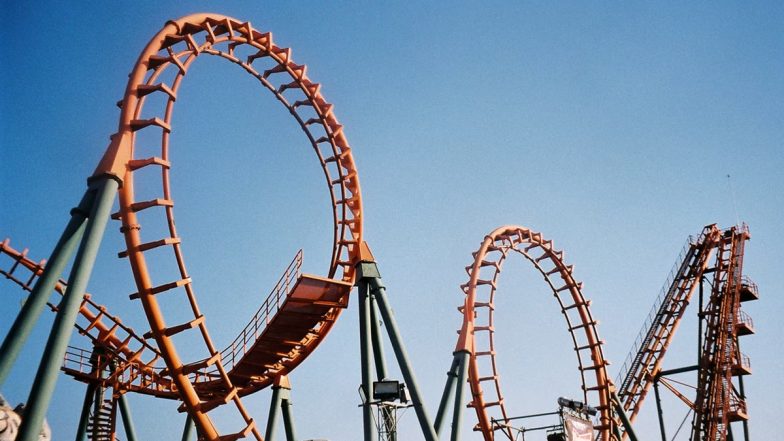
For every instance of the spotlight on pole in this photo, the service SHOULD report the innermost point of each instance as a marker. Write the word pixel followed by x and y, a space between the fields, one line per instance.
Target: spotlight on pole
pixel 577 406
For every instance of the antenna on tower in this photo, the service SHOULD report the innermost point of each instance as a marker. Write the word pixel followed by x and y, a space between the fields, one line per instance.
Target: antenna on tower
pixel 734 203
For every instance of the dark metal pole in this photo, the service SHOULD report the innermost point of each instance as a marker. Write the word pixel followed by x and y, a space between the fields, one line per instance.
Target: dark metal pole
pixel 659 407
pixel 273 414
pixel 449 389
pixel 45 379
pixel 378 344
pixel 32 308
pixel 699 323
pixel 627 425
pixel 459 387
pixel 125 411
pixel 288 419
pixel 89 396
pixel 402 357
pixel 366 360
pixel 188 429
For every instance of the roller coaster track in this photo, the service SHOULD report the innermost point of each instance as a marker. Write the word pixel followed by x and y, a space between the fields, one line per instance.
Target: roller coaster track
pixel 171 53
pixel 717 253
pixel 301 309
pixel 477 332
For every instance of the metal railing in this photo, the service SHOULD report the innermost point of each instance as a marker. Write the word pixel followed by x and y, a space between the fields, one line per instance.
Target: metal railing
pixel 665 293
pixel 248 336
pixel 744 319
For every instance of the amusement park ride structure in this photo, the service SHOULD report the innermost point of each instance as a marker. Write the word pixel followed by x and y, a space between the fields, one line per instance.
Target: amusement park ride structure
pixel 302 309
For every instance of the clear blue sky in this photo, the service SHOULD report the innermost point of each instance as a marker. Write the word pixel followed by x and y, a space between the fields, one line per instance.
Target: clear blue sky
pixel 608 127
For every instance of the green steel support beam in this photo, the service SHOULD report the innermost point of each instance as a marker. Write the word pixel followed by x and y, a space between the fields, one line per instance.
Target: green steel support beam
pixel 627 425
pixel 188 429
pixel 288 419
pixel 659 408
pixel 125 411
pixel 366 360
pixel 449 390
pixel 48 369
pixel 368 272
pixel 378 344
pixel 462 376
pixel 89 396
pixel 32 308
pixel 269 434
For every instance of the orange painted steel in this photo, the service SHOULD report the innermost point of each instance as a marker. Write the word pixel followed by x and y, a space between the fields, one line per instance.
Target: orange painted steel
pixel 477 332
pixel 718 402
pixel 718 254
pixel 173 50
pixel 645 360
pixel 137 364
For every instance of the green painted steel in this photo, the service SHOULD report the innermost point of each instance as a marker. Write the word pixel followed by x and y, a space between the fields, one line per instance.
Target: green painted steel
pixel 288 419
pixel 379 291
pixel 125 411
pixel 627 425
pixel 449 390
pixel 89 396
pixel 462 377
pixel 269 434
pixel 43 387
pixel 378 344
pixel 187 431
pixel 32 308
pixel 366 360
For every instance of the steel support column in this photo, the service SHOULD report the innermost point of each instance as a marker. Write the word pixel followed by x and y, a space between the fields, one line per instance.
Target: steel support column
pixel 288 418
pixel 449 390
pixel 188 429
pixel 368 271
pixel 378 345
pixel 125 411
pixel 273 414
pixel 627 425
pixel 659 408
pixel 89 396
pixel 46 377
pixel 462 376
pixel 366 359
pixel 34 305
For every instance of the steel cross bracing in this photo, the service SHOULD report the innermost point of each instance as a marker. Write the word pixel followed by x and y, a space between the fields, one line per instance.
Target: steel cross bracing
pixel 645 359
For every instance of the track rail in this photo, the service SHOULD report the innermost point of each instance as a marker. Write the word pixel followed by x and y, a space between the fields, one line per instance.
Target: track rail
pixel 170 54
pixel 477 332
pixel 645 359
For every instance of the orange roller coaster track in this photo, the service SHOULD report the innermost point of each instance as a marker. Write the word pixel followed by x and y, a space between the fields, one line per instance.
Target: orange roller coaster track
pixel 299 312
pixel 175 47
pixel 477 332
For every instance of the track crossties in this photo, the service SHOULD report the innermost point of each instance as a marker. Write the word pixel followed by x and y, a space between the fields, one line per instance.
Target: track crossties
pixel 477 332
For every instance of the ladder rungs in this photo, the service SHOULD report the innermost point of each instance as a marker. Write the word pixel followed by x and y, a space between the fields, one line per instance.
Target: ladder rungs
pixel 139 124
pixel 164 287
pixel 584 325
pixel 136 164
pixel 183 327
pixel 159 202
pixel 146 89
pixel 150 245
